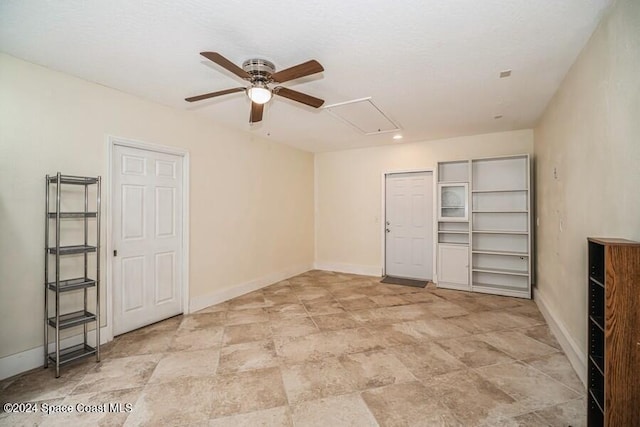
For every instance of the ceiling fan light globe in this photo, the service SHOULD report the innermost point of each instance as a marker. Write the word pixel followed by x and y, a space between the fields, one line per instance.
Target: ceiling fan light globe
pixel 259 95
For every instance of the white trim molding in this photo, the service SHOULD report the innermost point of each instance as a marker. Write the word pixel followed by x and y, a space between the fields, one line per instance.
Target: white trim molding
pixel 27 360
pixel 365 270
pixel 575 354
pixel 204 301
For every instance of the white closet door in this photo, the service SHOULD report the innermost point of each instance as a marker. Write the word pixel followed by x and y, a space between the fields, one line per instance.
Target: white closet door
pixel 147 235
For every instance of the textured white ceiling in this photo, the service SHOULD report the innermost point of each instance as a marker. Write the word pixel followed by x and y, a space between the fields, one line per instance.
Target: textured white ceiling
pixel 431 65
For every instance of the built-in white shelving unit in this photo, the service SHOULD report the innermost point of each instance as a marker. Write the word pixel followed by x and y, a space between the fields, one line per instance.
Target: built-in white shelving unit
pixel 453 225
pixel 500 226
pixel 495 229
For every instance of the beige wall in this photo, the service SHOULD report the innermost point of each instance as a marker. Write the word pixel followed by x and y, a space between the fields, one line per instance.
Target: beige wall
pixel 349 184
pixel 590 136
pixel 251 208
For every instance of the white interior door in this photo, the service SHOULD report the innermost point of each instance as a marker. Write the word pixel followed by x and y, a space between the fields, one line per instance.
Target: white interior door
pixel 147 237
pixel 409 225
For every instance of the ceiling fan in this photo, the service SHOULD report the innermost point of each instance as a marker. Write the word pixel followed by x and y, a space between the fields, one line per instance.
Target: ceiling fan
pixel 261 73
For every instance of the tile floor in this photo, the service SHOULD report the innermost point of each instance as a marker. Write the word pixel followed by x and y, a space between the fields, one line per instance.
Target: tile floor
pixel 325 349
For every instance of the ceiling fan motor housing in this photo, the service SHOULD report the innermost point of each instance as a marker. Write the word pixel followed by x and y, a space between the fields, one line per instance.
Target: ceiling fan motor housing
pixel 260 69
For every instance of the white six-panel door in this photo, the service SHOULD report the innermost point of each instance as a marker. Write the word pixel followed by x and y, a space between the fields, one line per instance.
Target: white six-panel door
pixel 147 235
pixel 409 225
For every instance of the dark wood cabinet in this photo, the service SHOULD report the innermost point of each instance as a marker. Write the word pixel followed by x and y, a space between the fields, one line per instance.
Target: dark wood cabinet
pixel 614 333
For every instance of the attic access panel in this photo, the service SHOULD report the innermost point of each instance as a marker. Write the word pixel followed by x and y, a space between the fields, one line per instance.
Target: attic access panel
pixel 363 115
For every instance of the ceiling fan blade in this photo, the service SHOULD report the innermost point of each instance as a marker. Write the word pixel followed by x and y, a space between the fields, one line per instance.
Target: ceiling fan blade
pixel 256 112
pixel 297 71
pixel 226 64
pixel 299 96
pixel 214 94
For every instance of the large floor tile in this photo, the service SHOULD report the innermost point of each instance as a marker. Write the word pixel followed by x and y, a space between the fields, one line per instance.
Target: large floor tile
pixel 375 369
pixel 322 307
pixel 397 334
pixel 395 314
pixel 202 321
pixel 223 306
pixel 334 322
pixel 445 309
pixel 318 346
pixel 489 321
pixel 315 380
pixel 252 300
pixel 346 410
pixel 197 339
pixel 571 413
pixel 116 374
pixel 474 352
pixel 557 366
pixel 434 329
pixel 528 309
pixel 247 356
pixel 418 297
pixel 284 311
pixel 471 398
pixel 310 292
pixel 247 391
pixel 281 297
pixel 500 302
pixel 41 384
pixel 531 388
pixel 362 302
pixel 427 359
pixel 237 334
pixel 516 344
pixel 183 364
pixel 274 417
pixel 175 403
pixel 299 326
pixel 251 315
pixel 543 334
pixel 410 312
pixel 136 343
pixel 389 300
pixel 304 348
pixel 407 404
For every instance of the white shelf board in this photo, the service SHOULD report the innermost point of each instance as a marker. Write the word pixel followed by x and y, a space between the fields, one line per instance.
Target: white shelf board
pixel 524 233
pixel 508 253
pixel 486 288
pixel 504 190
pixel 502 211
pixel 452 232
pixel 501 271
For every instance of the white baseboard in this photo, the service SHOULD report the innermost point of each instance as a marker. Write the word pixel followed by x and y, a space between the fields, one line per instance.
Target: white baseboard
pixel 30 359
pixel 198 303
pixel 365 270
pixel 576 356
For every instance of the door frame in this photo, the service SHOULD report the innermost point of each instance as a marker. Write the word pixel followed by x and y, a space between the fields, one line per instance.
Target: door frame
pixel 111 143
pixel 383 216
